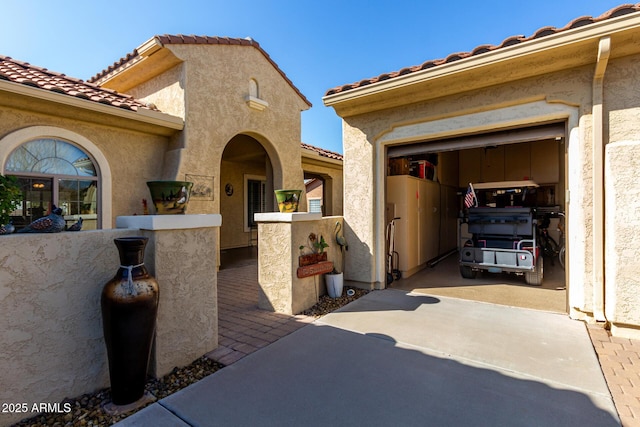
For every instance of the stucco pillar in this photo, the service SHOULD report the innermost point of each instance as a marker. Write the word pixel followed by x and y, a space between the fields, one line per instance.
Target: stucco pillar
pixel 360 207
pixel 622 251
pixel 280 236
pixel 182 256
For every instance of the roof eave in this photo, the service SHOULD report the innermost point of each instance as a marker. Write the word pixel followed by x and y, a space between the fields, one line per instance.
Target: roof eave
pixel 152 53
pixel 540 46
pixel 150 117
pixel 315 157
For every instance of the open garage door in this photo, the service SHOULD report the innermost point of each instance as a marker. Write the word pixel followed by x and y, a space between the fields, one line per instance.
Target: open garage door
pixel 492 139
pixel 426 182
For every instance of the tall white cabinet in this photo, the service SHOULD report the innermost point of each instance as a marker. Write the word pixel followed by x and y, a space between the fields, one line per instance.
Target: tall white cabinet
pixel 417 202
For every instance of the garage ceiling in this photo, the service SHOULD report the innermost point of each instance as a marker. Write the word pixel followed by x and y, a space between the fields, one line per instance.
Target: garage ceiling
pixel 511 136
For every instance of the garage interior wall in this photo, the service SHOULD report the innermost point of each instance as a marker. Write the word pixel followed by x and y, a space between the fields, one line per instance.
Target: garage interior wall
pixel 429 208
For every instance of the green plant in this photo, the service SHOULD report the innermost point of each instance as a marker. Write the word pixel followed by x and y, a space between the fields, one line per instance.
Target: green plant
pixel 10 196
pixel 316 246
pixel 320 245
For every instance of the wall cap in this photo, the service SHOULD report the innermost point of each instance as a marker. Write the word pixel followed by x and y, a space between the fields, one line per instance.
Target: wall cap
pixel 287 217
pixel 169 222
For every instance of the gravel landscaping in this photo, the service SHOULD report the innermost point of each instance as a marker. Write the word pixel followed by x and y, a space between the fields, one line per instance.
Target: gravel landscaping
pixel 87 410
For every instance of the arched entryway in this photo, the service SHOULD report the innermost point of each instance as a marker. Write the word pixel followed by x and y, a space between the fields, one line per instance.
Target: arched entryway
pixel 319 189
pixel 246 187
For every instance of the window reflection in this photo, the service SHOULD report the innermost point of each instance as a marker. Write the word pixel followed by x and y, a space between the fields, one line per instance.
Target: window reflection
pixel 51 171
pixel 50 156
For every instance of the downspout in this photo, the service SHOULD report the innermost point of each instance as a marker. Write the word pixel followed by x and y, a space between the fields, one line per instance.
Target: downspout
pixel 604 49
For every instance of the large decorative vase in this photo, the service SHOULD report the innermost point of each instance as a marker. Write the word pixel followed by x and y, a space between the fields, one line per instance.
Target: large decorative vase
pixel 170 197
pixel 129 308
pixel 335 283
pixel 288 200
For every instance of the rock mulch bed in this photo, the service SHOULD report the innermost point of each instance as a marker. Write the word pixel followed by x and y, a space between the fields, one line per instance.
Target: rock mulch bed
pixel 327 304
pixel 87 410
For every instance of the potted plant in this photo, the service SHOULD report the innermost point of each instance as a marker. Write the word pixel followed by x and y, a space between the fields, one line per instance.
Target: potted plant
pixel 10 196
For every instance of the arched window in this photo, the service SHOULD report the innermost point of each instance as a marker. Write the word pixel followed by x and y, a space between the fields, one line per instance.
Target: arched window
pixel 54 172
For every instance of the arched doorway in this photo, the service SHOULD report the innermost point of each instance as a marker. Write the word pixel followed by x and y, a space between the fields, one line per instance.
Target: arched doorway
pixel 246 187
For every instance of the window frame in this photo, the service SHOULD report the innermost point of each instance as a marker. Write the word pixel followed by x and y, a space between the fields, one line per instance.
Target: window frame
pixel 263 181
pixel 57 178
pixel 14 139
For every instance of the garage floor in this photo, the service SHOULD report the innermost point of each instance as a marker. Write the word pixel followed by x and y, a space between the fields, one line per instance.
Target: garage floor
pixel 444 279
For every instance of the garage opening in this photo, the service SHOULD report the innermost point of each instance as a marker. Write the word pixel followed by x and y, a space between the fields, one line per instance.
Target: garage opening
pixel 426 186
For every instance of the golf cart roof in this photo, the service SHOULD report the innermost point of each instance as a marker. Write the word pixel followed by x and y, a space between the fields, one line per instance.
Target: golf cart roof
pixel 504 184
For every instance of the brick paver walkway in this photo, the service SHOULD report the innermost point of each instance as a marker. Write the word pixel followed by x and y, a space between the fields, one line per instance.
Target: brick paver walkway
pixel 620 362
pixel 243 329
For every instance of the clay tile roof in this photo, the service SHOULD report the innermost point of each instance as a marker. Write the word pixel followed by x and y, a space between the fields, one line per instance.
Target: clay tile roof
pixel 322 152
pixel 191 39
pixel 510 41
pixel 30 75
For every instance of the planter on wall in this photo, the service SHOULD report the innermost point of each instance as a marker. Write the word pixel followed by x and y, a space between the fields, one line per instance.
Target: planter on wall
pixel 309 259
pixel 170 197
pixel 288 200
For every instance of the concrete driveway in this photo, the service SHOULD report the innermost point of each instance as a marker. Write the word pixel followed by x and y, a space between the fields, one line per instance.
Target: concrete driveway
pixel 402 358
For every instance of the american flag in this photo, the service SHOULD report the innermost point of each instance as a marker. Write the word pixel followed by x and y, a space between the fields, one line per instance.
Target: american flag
pixel 470 197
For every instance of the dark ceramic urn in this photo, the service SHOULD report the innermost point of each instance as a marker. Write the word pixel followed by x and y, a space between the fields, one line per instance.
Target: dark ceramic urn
pixel 129 309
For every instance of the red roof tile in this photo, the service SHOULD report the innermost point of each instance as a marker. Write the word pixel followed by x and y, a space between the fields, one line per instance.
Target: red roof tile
pixel 322 152
pixel 41 78
pixel 191 39
pixel 542 32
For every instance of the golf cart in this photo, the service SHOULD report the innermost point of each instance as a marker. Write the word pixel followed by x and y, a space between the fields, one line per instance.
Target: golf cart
pixel 501 221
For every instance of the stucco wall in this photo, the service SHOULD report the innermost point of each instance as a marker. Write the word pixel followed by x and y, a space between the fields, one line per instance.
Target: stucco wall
pixel 278 248
pixel 209 87
pixel 185 263
pixel 565 95
pixel 50 288
pixel 51 335
pixel 365 162
pixel 133 157
pixel 333 176
pixel 215 80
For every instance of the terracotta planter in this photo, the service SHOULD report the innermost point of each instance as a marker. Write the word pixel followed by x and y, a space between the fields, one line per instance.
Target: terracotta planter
pixel 170 197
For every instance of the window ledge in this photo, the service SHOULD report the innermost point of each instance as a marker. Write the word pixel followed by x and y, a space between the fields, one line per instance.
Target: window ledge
pixel 256 103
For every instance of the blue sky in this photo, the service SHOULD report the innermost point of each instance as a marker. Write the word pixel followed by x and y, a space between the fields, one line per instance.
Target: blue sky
pixel 318 44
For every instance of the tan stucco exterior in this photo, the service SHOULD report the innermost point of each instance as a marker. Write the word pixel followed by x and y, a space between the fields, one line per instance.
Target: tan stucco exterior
pixel 281 236
pixel 329 171
pixel 50 290
pixel 126 151
pixel 584 77
pixel 224 114
pixel 224 93
pixel 207 96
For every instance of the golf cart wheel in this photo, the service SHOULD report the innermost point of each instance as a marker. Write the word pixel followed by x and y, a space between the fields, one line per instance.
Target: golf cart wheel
pixel 389 279
pixel 467 272
pixel 535 277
